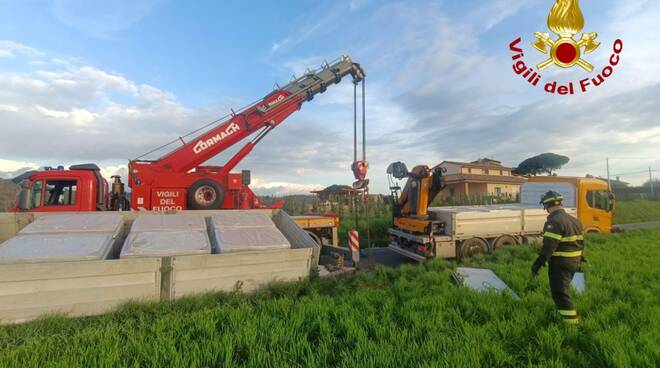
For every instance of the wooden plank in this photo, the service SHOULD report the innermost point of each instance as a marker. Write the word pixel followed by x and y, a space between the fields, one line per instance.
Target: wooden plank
pixel 242 258
pixel 63 270
pixel 73 296
pixel 248 282
pixel 236 271
pixel 100 281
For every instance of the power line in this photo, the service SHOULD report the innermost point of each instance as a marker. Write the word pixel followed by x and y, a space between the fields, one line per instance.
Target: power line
pixel 636 172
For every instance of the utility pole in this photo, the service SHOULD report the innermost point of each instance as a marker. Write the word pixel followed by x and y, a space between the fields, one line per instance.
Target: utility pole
pixel 609 183
pixel 651 180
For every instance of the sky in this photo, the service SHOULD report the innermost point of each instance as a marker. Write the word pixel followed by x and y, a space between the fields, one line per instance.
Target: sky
pixel 106 81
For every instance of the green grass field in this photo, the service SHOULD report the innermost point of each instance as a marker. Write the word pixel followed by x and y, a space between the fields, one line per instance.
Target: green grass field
pixel 412 316
pixel 627 212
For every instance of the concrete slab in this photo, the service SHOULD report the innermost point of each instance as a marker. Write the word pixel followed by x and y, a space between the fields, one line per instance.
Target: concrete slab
pixel 163 244
pixel 481 279
pixel 75 223
pixel 161 235
pixel 579 283
pixel 37 248
pixel 235 231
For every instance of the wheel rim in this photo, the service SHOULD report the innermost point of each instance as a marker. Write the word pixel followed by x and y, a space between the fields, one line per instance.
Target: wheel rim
pixel 472 247
pixel 205 195
pixel 504 241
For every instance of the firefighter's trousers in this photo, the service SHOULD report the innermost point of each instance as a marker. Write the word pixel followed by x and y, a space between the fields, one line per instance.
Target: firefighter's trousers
pixel 560 272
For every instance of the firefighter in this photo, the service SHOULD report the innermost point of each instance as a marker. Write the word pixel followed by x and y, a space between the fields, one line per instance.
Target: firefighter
pixel 563 244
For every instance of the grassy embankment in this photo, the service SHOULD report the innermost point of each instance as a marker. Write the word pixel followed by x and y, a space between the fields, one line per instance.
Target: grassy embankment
pixel 627 212
pixel 413 316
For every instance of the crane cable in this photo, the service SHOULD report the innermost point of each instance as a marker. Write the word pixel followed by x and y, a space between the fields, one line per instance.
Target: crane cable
pixel 364 158
pixel 355 148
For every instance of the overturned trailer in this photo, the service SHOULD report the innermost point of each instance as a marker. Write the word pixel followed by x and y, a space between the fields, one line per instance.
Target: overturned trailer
pixel 91 263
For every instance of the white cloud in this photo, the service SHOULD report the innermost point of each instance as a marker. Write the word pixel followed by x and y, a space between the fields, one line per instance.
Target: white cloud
pixel 277 45
pixel 356 4
pixel 8 108
pixel 9 49
pixel 282 188
pixel 77 117
pixel 489 14
pixel 12 165
pixel 52 113
pixel 11 168
pixel 79 112
pixel 102 19
pixel 111 170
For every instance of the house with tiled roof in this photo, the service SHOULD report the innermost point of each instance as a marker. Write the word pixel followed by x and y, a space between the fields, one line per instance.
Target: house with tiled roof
pixel 483 177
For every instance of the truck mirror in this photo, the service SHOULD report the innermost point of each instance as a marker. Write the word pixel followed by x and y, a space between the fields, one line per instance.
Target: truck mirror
pixel 24 198
pixel 610 206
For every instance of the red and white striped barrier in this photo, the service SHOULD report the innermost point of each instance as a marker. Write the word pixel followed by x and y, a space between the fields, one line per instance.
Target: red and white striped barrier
pixel 354 245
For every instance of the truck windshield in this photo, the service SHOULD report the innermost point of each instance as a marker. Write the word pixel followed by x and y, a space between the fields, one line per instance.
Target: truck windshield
pixel 61 192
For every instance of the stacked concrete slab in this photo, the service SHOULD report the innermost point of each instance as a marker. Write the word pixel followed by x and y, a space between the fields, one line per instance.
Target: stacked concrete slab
pixel 62 238
pixel 159 235
pixel 246 231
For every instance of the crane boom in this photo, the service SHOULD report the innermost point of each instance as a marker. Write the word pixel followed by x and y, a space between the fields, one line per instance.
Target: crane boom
pixel 264 115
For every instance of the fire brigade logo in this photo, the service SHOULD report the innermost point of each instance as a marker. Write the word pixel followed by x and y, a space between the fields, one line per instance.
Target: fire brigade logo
pixel 566 20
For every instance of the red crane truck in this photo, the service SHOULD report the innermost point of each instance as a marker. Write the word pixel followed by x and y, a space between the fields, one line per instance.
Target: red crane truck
pixel 177 180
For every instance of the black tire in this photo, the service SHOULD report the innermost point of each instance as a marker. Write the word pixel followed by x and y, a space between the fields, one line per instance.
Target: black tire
pixel 504 240
pixel 472 246
pixel 205 194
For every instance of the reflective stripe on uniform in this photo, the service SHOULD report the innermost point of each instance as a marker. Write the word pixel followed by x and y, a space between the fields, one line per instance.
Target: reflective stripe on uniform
pixel 568 312
pixel 572 238
pixel 553 199
pixel 573 321
pixel 576 253
pixel 548 234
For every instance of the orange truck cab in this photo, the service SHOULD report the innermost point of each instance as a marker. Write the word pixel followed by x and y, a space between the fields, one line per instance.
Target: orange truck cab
pixel 591 197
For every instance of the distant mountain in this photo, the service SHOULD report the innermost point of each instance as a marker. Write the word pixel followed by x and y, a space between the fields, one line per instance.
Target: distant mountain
pixel 8 192
pixel 13 174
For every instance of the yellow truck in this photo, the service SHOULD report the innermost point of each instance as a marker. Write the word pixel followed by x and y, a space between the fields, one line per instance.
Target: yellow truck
pixel 422 232
pixel 594 200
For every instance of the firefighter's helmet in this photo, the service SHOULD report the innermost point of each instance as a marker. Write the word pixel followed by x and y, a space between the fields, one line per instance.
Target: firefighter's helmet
pixel 551 198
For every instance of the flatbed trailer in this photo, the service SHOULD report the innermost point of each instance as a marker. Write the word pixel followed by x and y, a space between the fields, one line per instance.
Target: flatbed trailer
pixel 477 229
pixel 88 287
